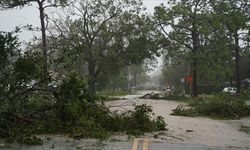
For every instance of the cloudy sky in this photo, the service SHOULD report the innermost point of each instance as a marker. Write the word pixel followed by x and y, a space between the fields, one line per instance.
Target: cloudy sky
pixel 30 15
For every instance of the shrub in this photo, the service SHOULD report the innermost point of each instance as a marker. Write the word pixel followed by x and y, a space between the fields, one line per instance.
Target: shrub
pixel 22 134
pixel 245 129
pixel 221 106
pixel 75 110
pixel 87 127
pixel 71 99
pixel 160 123
pixel 183 110
pixel 69 111
pixel 142 120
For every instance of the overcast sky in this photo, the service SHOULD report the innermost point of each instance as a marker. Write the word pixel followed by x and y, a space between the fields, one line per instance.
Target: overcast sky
pixel 30 15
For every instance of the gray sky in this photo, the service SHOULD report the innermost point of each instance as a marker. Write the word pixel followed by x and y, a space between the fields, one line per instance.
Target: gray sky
pixel 19 17
pixel 30 15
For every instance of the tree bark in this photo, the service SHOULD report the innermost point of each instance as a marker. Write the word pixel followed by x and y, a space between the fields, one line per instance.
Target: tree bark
pixel 129 76
pixel 194 63
pixel 194 85
pixel 135 79
pixel 91 84
pixel 92 79
pixel 44 43
pixel 237 62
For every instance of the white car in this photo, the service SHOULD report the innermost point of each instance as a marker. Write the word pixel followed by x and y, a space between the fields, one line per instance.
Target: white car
pixel 231 90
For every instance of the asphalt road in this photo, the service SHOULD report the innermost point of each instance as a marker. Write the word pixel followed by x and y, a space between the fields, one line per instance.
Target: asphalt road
pixel 118 143
pixel 62 143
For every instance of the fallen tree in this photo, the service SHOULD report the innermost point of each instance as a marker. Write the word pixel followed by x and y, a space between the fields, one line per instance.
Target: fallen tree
pixel 67 110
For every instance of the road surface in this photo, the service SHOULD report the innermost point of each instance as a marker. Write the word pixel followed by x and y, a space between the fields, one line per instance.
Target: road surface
pixel 184 133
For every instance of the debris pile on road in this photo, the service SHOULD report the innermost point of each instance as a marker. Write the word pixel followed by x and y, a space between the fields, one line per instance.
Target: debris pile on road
pixel 152 95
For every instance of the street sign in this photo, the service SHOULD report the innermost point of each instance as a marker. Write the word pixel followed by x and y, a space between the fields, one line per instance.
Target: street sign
pixel 189 78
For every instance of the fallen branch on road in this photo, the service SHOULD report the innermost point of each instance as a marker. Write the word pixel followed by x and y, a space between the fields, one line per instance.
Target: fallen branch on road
pixel 121 106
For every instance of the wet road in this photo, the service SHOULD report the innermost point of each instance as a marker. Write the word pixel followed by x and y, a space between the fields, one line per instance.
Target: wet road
pixel 62 143
pixel 122 142
pixel 146 144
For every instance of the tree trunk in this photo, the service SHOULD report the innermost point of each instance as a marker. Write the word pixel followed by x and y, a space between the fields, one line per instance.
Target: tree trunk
pixel 237 60
pixel 91 84
pixel 129 77
pixel 135 79
pixel 194 63
pixel 44 43
pixel 194 83
pixel 92 79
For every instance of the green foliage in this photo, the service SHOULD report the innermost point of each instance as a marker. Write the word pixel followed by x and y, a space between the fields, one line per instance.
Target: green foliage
pixel 245 129
pixel 139 121
pixel 160 123
pixel 202 35
pixel 73 87
pixel 71 99
pixel 88 127
pixel 182 110
pixel 22 133
pixel 121 36
pixel 116 30
pixel 28 66
pixel 8 48
pixel 70 113
pixel 9 51
pixel 221 106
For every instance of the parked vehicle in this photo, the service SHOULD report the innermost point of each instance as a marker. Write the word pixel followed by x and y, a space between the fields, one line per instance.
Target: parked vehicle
pixel 231 90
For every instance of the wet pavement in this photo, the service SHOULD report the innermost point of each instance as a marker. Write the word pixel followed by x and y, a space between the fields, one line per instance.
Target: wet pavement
pixel 166 140
pixel 63 143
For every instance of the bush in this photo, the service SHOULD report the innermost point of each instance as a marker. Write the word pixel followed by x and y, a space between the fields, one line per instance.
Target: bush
pixel 71 99
pixel 87 127
pixel 245 129
pixel 160 123
pixel 74 109
pixel 22 134
pixel 183 110
pixel 139 121
pixel 69 111
pixel 221 106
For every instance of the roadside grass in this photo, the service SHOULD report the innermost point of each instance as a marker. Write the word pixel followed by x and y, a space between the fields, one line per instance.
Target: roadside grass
pixel 245 129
